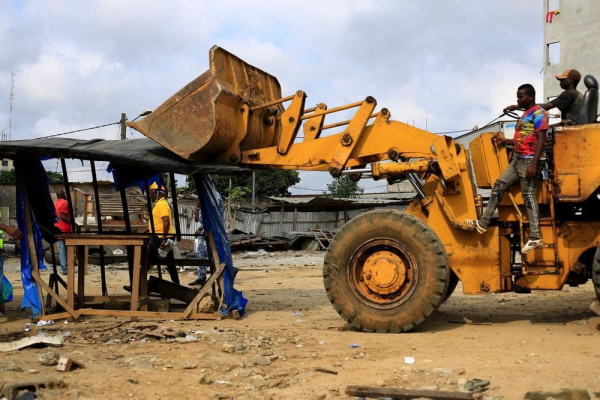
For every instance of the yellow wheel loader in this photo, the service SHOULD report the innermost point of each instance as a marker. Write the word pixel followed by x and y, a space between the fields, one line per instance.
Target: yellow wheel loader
pixel 387 270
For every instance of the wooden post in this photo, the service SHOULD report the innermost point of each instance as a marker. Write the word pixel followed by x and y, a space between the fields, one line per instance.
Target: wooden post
pixel 151 219
pixel 295 219
pixel 68 193
pixel 175 205
pixel 281 221
pixel 123 126
pixel 99 222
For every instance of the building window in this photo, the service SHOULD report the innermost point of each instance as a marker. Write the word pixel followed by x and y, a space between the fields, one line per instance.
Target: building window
pixel 4 163
pixel 553 53
pixel 553 5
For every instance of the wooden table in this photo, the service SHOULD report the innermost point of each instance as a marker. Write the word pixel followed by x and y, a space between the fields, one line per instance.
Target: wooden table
pixel 79 243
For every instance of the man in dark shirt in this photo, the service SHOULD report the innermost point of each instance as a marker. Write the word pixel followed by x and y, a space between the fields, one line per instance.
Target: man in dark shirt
pixel 568 102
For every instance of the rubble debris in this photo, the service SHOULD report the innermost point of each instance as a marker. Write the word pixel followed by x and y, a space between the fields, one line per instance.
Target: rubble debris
pixel 477 385
pixel 66 364
pixel 10 390
pixel 49 358
pixel 326 371
pixel 57 340
pixel 401 394
pixel 564 394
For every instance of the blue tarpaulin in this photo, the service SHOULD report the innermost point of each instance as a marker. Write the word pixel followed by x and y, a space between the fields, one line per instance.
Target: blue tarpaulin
pixel 31 297
pixel 213 222
pixel 211 216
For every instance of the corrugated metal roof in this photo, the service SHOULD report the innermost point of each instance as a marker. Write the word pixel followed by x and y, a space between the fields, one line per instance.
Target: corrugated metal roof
pixel 332 202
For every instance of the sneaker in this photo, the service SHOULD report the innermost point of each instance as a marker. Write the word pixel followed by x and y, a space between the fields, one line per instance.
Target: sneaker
pixel 475 225
pixel 64 272
pixel 199 281
pixel 531 245
pixel 181 268
pixel 127 288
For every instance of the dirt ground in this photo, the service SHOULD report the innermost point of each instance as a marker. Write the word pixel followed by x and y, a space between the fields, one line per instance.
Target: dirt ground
pixel 520 343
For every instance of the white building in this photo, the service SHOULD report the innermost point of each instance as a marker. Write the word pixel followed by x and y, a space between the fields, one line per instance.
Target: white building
pixel 571 41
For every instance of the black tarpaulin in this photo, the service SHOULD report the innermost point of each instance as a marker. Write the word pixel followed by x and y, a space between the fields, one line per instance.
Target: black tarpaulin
pixel 141 153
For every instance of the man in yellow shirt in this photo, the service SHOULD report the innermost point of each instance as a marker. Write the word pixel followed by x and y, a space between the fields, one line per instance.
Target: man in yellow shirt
pixel 163 231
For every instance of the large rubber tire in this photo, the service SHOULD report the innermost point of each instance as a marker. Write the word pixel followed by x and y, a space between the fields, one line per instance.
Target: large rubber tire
pixel 399 236
pixel 596 272
pixel 452 285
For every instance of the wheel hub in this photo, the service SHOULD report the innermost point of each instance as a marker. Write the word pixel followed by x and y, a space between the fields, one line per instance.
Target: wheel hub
pixel 383 272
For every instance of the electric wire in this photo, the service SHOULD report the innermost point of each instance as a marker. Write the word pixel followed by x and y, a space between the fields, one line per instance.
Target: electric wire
pixel 79 130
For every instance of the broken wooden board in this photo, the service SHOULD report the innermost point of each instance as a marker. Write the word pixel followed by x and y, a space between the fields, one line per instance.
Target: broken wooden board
pixel 405 394
pixel 31 341
pixel 66 364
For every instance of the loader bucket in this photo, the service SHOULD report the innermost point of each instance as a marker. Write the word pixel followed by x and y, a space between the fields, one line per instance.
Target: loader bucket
pixel 202 119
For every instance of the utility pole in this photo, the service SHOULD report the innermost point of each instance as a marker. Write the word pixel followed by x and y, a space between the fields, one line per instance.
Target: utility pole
pixel 123 126
pixel 253 191
pixel 11 98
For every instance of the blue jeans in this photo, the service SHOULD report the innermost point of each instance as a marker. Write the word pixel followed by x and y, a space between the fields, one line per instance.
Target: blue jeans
pixel 62 255
pixel 202 254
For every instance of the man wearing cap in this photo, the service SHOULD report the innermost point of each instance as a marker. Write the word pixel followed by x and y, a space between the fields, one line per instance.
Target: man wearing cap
pixel 568 102
pixel 163 231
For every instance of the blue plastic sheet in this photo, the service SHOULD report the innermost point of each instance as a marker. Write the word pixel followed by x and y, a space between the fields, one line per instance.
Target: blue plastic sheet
pixel 31 297
pixel 213 222
pixel 6 295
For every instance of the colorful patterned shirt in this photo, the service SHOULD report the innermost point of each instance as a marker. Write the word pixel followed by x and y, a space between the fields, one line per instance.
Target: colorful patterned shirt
pixel 533 120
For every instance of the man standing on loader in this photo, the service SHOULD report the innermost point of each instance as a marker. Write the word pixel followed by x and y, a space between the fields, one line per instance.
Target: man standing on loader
pixel 529 140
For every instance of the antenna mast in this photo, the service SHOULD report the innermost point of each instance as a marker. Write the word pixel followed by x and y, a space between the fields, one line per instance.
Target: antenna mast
pixel 11 98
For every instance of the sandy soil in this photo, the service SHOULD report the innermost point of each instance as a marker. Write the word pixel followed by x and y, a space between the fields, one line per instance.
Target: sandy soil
pixel 545 340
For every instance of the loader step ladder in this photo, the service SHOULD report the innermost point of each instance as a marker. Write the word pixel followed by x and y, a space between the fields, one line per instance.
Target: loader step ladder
pixel 323 237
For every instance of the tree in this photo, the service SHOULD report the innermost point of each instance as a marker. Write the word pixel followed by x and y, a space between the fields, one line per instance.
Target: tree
pixel 9 177
pixel 344 187
pixel 271 182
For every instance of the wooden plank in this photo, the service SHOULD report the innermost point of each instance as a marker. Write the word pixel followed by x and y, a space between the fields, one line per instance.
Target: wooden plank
pixel 190 262
pixel 219 267
pixel 38 279
pixel 56 316
pixel 81 267
pixel 144 275
pixel 104 242
pixel 104 299
pixel 135 285
pixel 71 276
pixel 171 290
pixel 147 314
pixel 401 394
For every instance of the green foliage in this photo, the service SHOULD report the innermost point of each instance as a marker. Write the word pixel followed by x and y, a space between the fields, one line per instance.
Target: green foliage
pixel 272 182
pixel 343 188
pixel 55 177
pixel 9 177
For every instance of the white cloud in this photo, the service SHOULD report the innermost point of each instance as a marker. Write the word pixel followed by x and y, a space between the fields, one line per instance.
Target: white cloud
pixel 453 63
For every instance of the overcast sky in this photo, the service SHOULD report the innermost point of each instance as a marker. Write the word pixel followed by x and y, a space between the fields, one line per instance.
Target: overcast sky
pixel 454 64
